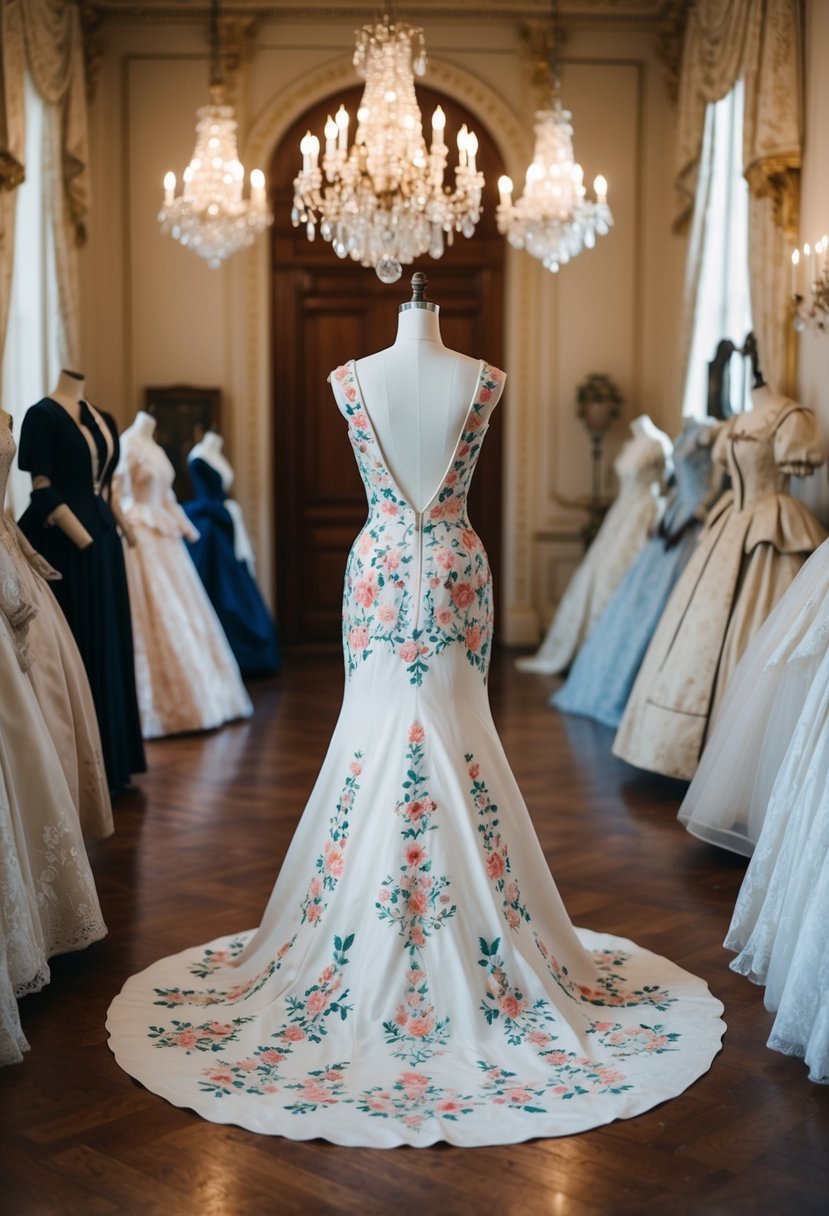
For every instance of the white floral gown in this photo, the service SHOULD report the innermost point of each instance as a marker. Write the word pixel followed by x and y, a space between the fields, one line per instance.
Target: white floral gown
pixel 415 977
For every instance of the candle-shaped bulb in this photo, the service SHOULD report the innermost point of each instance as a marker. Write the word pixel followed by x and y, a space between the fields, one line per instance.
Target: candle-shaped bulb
pixel 795 264
pixel 342 121
pixel 463 137
pixel 331 131
pixel 505 190
pixel 807 249
pixel 169 187
pixel 257 179
pixel 314 150
pixel 438 119
pixel 600 187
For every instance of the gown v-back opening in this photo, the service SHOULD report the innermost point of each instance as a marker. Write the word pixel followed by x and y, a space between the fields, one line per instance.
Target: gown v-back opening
pixel 415 977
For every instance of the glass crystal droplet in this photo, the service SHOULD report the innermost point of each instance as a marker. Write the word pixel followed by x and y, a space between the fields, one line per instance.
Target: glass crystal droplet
pixel 389 269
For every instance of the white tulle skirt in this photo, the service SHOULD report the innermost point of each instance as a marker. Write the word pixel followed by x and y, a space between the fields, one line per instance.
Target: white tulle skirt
pixel 728 799
pixel 782 914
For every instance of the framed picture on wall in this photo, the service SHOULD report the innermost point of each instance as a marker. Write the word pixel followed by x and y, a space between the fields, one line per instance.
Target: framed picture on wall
pixel 183 412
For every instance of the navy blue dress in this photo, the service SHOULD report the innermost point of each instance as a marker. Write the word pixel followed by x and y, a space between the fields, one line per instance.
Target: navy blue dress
pixel 603 674
pixel 93 590
pixel 228 581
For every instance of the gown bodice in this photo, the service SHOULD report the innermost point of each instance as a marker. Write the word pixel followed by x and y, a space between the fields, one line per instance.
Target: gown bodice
pixel 762 448
pixel 692 479
pixel 53 445
pixel 145 479
pixel 8 447
pixel 418 583
pixel 207 481
pixel 639 465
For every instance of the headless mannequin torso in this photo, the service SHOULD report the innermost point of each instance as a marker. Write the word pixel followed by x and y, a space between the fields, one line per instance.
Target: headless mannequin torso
pixel 418 394
pixel 209 449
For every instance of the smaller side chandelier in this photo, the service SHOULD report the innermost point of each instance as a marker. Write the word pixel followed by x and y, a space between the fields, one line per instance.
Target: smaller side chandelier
pixel 211 216
pixel 553 220
pixel 383 202
pixel 811 306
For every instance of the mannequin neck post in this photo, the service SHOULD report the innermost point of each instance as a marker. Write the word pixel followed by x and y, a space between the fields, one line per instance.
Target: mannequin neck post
pixel 418 323
pixel 71 385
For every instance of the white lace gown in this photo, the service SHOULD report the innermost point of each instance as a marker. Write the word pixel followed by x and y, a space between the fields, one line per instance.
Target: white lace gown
pixel 48 902
pixel 640 469
pixel 415 977
pixel 185 674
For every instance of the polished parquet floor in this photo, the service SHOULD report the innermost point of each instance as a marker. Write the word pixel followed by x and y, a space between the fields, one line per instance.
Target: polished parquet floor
pixel 197 846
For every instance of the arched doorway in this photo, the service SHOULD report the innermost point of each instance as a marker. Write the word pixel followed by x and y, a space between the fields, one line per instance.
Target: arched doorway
pixel 325 311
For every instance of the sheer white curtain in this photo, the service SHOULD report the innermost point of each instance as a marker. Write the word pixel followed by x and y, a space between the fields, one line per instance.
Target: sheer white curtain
pixel 718 303
pixel 31 357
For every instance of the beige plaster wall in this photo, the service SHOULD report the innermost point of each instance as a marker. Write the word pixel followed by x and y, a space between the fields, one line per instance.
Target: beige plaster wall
pixel 153 314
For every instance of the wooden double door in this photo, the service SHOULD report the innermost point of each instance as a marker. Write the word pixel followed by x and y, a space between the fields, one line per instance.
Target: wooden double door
pixel 326 311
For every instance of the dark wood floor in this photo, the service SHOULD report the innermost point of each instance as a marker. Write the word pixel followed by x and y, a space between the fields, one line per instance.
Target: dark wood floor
pixel 195 854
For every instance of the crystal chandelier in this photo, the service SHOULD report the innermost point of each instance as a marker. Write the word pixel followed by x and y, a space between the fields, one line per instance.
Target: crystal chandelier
pixel 810 305
pixel 210 216
pixel 383 202
pixel 553 220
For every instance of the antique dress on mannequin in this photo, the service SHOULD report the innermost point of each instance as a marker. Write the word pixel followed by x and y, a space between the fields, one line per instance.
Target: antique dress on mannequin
pixel 186 675
pixel 71 458
pixel 415 977
pixel 755 540
pixel 48 902
pixel 640 469
pixel 58 676
pixel 605 668
pixel 727 801
pixel 779 923
pixel 223 556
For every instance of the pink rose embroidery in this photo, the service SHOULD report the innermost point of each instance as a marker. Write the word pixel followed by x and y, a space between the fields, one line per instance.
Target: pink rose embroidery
pixel 463 595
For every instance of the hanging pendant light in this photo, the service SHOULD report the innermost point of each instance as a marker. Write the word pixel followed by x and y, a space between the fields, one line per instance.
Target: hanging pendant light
pixel 554 220
pixel 383 202
pixel 211 216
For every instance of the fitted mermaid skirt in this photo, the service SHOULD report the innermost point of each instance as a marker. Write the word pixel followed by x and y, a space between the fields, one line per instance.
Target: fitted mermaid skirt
pixel 415 976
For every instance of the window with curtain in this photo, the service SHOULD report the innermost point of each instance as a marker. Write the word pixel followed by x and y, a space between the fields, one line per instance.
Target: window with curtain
pixel 717 284
pixel 31 357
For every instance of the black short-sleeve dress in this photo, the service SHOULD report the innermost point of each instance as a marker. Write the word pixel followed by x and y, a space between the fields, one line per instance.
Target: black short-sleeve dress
pixel 93 590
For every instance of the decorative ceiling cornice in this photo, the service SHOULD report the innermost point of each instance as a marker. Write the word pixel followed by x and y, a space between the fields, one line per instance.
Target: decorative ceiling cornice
pixel 642 13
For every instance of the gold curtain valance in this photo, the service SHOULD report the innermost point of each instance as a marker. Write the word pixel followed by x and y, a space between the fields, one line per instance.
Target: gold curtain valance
pixel 760 42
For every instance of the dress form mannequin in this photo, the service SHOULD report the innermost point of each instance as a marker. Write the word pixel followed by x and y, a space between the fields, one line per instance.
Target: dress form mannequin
pixel 209 449
pixel 223 555
pixel 186 676
pixel 71 450
pixel 417 424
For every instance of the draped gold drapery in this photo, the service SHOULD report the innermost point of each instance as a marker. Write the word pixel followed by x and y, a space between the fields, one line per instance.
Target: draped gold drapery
pixel 46 36
pixel 759 42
